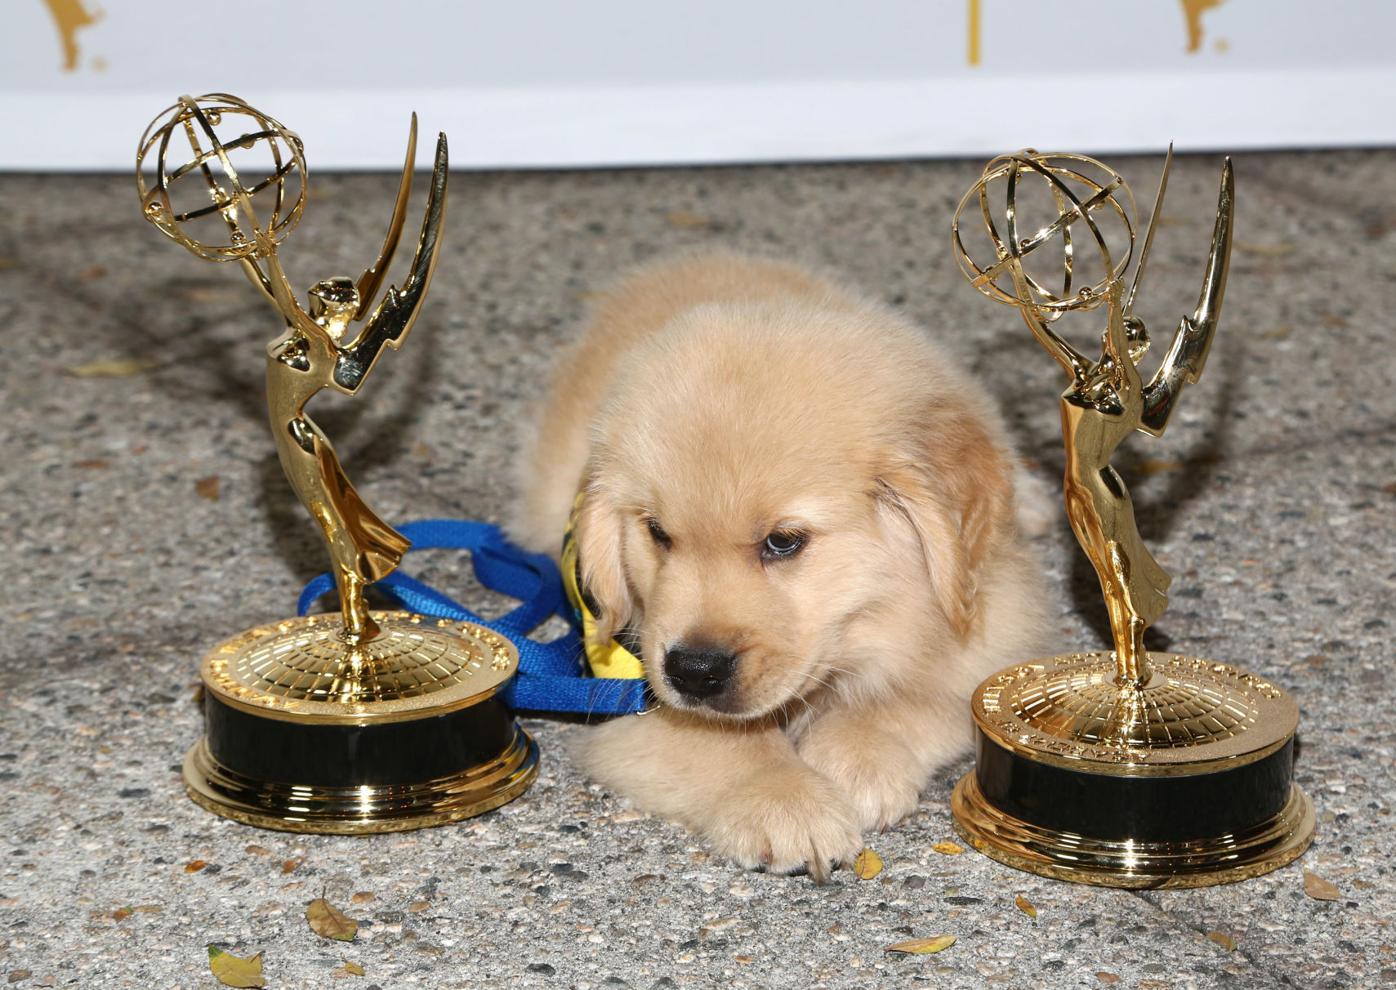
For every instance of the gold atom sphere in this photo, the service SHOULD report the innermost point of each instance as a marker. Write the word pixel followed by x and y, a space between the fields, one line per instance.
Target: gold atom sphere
pixel 1051 198
pixel 214 173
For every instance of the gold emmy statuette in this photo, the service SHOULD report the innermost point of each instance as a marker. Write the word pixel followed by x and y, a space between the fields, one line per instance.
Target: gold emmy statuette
pixel 1122 768
pixel 356 721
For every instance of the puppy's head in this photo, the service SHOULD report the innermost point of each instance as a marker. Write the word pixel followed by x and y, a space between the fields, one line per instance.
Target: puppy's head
pixel 765 479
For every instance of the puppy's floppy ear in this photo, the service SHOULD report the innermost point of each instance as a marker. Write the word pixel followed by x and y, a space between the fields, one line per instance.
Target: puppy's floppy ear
pixel 952 483
pixel 600 534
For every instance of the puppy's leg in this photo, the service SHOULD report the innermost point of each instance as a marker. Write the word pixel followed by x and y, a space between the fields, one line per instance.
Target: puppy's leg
pixel 743 789
pixel 1037 505
pixel 882 756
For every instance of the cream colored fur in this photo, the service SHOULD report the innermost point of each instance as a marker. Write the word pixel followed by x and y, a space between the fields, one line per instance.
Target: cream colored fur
pixel 725 396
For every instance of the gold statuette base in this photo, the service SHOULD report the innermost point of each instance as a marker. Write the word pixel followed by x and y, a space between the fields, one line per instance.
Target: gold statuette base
pixel 364 809
pixel 1127 863
pixel 1185 780
pixel 308 730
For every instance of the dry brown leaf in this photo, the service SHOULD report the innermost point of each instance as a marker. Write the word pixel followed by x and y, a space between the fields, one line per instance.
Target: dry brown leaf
pixel 686 219
pixel 234 971
pixel 348 969
pixel 328 921
pixel 948 848
pixel 1224 940
pixel 208 487
pixel 1025 905
pixel 1318 888
pixel 867 865
pixel 715 926
pixel 923 946
pixel 194 866
pixel 119 368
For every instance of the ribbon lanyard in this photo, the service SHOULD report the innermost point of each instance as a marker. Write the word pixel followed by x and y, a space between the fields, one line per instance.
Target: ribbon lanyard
pixel 552 675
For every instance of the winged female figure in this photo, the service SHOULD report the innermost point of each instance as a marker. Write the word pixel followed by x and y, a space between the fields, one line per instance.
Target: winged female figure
pixel 318 351
pixel 1105 402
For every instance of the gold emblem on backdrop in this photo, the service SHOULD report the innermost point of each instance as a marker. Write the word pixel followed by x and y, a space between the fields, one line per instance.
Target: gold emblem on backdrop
pixel 1192 19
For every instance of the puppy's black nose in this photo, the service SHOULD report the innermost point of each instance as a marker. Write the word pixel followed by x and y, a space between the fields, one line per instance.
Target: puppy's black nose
pixel 699 672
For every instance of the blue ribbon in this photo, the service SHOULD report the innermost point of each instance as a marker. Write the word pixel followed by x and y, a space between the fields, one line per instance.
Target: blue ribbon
pixel 552 676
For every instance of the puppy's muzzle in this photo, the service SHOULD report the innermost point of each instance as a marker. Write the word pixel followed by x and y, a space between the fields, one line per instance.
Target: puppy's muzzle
pixel 699 673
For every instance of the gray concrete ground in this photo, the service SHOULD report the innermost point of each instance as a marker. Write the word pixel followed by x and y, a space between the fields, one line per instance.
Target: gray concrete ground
pixel 1271 499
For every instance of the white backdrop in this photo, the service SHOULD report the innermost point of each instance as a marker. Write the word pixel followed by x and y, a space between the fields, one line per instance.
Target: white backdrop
pixel 607 82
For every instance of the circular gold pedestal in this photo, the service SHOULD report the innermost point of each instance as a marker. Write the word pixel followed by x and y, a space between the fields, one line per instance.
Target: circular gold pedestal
pixel 1186 781
pixel 1124 863
pixel 308 732
pixel 362 809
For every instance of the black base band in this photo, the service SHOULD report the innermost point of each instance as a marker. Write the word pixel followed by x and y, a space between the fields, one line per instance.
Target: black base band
pixel 1146 809
pixel 407 751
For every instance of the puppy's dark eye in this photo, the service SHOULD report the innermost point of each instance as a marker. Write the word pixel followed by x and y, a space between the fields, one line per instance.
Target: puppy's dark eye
pixel 658 535
pixel 782 543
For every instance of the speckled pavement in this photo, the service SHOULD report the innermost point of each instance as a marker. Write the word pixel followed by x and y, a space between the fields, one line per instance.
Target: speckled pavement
pixel 144 518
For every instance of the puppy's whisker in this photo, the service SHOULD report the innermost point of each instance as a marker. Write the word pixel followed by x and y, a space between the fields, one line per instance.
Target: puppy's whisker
pixel 830 682
pixel 817 680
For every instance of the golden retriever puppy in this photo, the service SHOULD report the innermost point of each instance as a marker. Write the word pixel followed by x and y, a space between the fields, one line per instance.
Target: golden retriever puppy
pixel 803 513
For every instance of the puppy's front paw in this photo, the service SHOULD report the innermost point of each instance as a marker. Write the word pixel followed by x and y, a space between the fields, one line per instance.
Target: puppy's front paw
pixel 786 824
pixel 880 783
pixel 745 792
pixel 612 753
